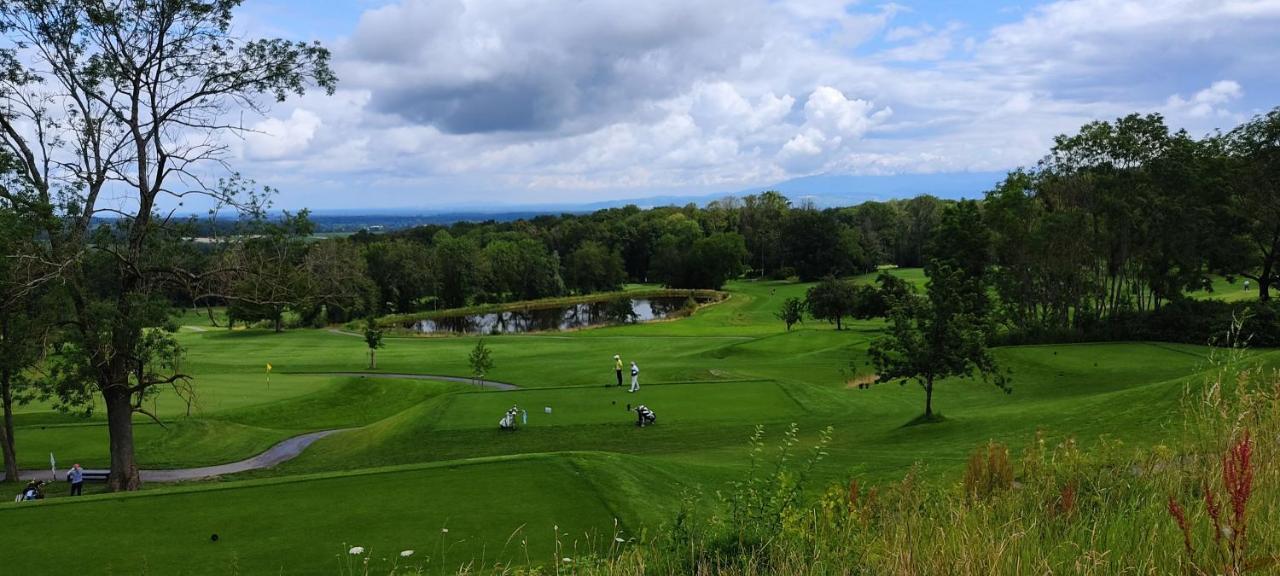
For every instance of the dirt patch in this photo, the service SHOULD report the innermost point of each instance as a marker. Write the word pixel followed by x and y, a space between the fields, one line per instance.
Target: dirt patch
pixel 864 381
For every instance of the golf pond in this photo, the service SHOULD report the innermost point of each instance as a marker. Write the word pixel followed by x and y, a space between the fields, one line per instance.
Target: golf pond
pixel 563 317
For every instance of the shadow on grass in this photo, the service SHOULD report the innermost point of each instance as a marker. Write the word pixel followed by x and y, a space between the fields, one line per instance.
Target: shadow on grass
pixel 935 418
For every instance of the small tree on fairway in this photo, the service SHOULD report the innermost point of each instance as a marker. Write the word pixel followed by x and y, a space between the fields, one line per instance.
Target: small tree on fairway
pixel 481 361
pixel 832 299
pixel 373 337
pixel 792 312
pixel 935 337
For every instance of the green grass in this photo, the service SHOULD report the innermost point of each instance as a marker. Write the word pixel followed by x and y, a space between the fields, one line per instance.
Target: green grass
pixel 711 378
pixel 1227 291
pixel 299 527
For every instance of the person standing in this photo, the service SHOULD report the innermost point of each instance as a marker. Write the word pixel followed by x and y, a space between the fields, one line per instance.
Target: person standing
pixel 76 477
pixel 617 368
pixel 635 378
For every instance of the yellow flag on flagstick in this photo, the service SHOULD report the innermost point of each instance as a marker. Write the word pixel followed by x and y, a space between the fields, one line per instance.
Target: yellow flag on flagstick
pixel 268 367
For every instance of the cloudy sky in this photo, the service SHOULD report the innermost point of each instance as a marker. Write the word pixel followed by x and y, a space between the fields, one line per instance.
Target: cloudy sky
pixel 447 103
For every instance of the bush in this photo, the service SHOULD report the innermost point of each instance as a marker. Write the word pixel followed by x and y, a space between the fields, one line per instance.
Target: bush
pixel 1183 321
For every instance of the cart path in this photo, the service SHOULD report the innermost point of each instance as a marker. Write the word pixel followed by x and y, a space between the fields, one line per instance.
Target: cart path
pixel 284 451
pixel 486 384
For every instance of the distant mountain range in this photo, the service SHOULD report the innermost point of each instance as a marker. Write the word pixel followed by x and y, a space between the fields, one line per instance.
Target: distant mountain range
pixel 825 191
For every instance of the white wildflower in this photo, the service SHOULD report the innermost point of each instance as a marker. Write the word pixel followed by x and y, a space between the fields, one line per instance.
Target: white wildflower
pixel 619 540
pixel 444 530
pixel 406 553
pixel 356 550
pixel 567 559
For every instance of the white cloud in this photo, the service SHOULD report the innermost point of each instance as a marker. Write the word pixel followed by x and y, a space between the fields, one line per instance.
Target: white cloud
pixel 275 138
pixel 1207 102
pixel 528 101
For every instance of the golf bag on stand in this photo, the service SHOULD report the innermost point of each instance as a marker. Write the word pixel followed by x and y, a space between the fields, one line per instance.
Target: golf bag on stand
pixel 645 416
pixel 508 421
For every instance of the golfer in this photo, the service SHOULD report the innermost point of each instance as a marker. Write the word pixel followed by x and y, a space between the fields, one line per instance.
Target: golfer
pixel 76 477
pixel 617 367
pixel 635 378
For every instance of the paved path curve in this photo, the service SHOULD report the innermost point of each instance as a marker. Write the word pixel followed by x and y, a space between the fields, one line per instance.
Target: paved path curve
pixel 284 451
pixel 486 384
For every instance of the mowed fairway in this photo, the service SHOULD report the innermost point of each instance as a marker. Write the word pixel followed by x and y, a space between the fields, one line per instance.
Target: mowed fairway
pixel 419 455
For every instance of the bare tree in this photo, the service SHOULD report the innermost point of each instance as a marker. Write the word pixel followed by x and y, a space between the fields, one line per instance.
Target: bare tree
pixel 134 99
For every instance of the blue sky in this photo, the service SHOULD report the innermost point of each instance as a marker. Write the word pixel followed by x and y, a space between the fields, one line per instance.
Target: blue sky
pixel 448 103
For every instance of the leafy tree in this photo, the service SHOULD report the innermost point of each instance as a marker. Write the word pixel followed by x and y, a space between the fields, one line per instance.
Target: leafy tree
pixel 23 325
pixel 819 245
pixel 1254 201
pixel 832 300
pixel 128 99
pixel 457 269
pixel 761 220
pixel 715 260
pixel 594 268
pixel 936 337
pixel 402 272
pixel 373 338
pixel 338 287
pixel 880 225
pixel 481 361
pixel 920 215
pixel 792 312
pixel 962 241
pixel 522 269
pixel 702 263
pixel 270 271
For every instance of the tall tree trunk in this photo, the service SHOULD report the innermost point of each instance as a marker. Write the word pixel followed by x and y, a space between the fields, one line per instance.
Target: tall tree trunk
pixel 928 398
pixel 124 467
pixel 373 359
pixel 6 429
pixel 6 398
pixel 1264 278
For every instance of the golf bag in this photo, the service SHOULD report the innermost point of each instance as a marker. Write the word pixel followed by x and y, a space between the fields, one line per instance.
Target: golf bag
pixel 33 491
pixel 508 421
pixel 645 416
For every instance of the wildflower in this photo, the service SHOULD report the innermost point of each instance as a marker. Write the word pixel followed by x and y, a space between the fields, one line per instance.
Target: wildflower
pixel 1215 514
pixel 1180 517
pixel 444 530
pixel 1237 475
pixel 356 550
pixel 618 539
pixel 406 553
pixel 566 559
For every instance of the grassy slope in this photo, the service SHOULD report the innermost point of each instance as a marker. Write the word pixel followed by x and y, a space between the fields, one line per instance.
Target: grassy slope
pixel 711 378
pixel 298 527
